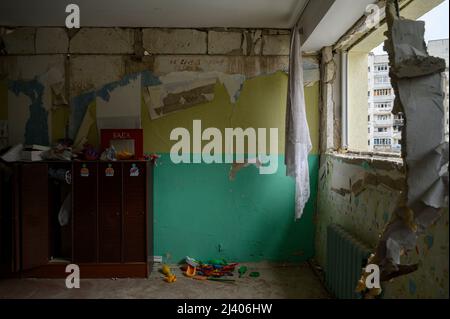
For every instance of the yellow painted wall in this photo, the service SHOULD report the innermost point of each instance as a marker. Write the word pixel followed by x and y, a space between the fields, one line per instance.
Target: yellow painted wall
pixel 358 101
pixel 60 118
pixel 260 105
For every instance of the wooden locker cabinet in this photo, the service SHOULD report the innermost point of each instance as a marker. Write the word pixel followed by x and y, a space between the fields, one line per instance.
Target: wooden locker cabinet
pixel 111 220
pixel 110 212
pixel 134 208
pixel 119 190
pixel 84 212
pixel 35 215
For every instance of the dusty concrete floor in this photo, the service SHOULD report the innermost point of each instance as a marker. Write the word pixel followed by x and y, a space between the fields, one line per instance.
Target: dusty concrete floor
pixel 277 281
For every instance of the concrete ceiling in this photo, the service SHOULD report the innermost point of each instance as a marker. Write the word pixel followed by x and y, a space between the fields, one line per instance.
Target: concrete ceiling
pixel 324 21
pixel 339 19
pixel 155 13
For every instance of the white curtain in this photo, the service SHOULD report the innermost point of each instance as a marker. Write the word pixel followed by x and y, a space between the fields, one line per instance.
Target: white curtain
pixel 298 141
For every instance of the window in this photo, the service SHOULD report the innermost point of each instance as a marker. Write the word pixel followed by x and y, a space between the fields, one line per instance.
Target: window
pixel 367 119
pixel 382 79
pixel 383 117
pixel 382 92
pixel 382 141
pixel 381 67
pixel 383 105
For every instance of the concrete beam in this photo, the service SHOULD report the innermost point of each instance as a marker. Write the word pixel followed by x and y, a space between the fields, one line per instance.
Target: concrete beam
pixel 20 41
pixel 225 42
pixel 276 44
pixel 51 40
pixel 103 41
pixel 174 41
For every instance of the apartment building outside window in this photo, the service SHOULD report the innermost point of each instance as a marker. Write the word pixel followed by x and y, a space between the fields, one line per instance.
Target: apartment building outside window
pixel 382 133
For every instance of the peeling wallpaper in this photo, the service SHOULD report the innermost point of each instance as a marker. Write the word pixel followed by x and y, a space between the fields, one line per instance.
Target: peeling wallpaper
pixel 248 219
pixel 365 212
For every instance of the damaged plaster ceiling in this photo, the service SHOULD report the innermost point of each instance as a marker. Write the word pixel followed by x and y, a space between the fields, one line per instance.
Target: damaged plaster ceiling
pixel 323 21
pixel 156 13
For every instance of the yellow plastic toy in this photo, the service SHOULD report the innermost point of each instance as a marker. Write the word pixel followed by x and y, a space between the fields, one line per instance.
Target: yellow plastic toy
pixel 170 278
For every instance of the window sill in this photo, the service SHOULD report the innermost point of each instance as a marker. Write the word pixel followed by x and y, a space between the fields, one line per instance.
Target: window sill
pixel 390 158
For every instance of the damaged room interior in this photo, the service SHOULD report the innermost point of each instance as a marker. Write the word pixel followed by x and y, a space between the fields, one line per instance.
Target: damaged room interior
pixel 239 149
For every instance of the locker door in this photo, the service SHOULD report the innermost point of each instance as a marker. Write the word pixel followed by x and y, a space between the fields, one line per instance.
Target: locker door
pixel 85 212
pixel 134 221
pixel 110 212
pixel 35 219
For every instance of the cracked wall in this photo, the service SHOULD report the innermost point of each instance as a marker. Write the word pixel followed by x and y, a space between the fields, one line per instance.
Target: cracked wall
pixel 224 77
pixel 361 192
pixel 362 196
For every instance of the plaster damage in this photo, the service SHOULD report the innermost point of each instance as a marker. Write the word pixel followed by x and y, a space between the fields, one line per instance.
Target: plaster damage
pixel 180 68
pixel 42 79
pixel 420 97
pixel 364 212
pixel 179 90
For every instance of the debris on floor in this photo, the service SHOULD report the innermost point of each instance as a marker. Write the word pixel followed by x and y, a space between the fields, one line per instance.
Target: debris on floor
pixel 214 270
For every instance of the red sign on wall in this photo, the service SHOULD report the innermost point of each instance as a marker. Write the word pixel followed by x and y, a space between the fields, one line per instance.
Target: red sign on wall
pixel 134 136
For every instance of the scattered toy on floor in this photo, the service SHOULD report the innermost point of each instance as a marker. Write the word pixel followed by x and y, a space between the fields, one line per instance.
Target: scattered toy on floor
pixel 215 268
pixel 170 277
pixel 242 270
pixel 190 271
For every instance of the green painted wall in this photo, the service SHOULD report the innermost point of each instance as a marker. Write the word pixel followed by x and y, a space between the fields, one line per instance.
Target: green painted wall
pixel 199 212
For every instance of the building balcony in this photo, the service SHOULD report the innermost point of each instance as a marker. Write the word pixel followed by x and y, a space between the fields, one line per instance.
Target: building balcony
pixel 382 111
pixel 386 85
pixel 398 122
pixel 382 134
pixel 387 148
pixel 383 123
pixel 382 148
pixel 380 72
pixel 383 98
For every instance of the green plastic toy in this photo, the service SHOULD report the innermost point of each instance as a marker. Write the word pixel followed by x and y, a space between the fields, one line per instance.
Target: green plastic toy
pixel 242 270
pixel 254 274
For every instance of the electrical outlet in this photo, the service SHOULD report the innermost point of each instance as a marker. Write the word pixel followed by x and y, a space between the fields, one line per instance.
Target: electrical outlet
pixel 157 259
